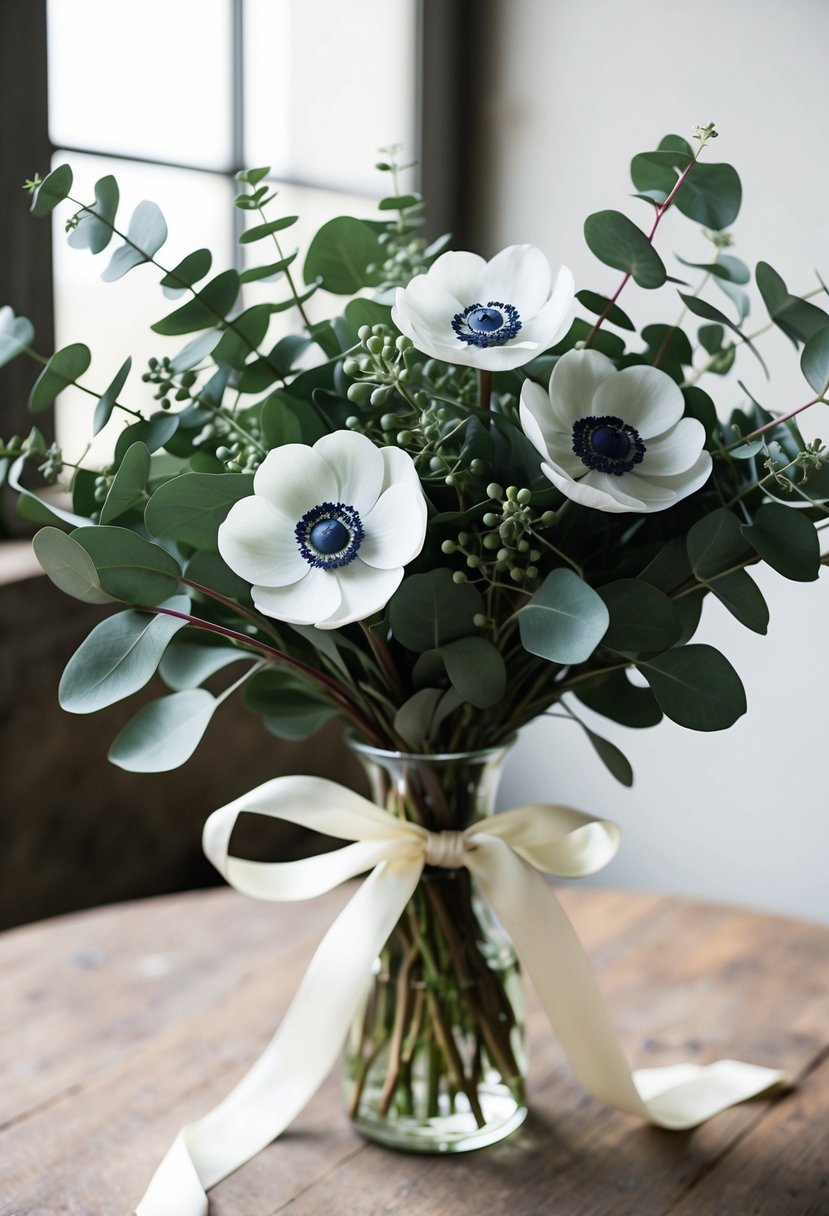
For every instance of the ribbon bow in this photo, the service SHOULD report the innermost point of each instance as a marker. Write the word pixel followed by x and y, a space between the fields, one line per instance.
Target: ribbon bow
pixel 507 854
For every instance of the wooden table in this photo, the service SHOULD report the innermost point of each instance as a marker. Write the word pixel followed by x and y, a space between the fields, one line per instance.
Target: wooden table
pixel 127 1021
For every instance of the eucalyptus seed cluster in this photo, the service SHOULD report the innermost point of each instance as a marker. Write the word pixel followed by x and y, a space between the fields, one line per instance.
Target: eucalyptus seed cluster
pixel 240 455
pixel 34 447
pixel 508 541
pixel 168 388
pixel 378 366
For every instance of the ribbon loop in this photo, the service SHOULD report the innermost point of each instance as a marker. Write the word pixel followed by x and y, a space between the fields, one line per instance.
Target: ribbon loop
pixel 508 855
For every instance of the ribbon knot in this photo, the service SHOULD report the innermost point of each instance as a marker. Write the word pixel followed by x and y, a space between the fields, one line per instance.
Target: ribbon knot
pixel 508 855
pixel 445 849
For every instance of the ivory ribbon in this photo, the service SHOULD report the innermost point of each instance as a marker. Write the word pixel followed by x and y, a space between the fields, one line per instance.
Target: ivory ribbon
pixel 507 854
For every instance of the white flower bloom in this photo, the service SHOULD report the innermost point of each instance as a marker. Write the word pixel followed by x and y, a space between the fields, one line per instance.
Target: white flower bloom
pixel 325 536
pixel 493 315
pixel 614 440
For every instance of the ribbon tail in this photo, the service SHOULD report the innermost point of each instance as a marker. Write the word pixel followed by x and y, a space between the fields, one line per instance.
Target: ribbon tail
pixel 677 1097
pixel 298 1058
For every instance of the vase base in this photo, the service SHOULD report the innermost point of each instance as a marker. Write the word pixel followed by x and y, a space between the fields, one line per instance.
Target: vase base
pixel 451 1132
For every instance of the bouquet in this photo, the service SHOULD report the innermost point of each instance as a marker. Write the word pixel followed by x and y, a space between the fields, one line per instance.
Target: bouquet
pixel 472 496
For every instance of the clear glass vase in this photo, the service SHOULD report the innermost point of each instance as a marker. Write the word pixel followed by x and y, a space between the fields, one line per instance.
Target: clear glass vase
pixel 435 1062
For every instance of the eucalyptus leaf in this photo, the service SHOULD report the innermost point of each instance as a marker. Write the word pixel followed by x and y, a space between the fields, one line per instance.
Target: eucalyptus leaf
pixel 108 399
pixel 165 733
pixel 43 511
pixel 65 367
pixel 612 757
pixel 786 540
pixel 616 241
pixel 340 255
pixel 614 696
pixel 94 228
pixel 211 304
pixel 565 620
pixel 798 319
pixel 191 507
pixel 129 486
pixel 715 543
pixel 16 333
pixel 69 566
pixel 429 610
pixel 739 593
pixel 814 361
pixel 195 350
pixel 152 432
pixel 129 567
pixel 711 195
pixel 696 687
pixel 52 190
pixel 188 664
pixel 269 228
pixel 642 619
pixel 598 304
pixel 701 308
pixel 291 710
pixel 189 270
pixel 119 657
pixel 474 667
pixel 146 233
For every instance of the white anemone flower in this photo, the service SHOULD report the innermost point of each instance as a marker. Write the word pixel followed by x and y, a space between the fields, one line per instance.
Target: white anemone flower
pixel 614 440
pixel 325 536
pixel 493 315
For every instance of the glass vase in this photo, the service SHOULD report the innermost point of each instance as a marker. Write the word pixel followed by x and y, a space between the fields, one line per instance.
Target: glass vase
pixel 435 1061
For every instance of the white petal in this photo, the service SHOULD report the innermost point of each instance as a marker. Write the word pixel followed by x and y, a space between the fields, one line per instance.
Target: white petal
pixel 295 478
pixel 543 431
pixel 395 529
pixel 636 492
pixel 461 274
pixel 398 469
pixel 683 484
pixel 519 275
pixel 643 397
pixel 306 602
pixel 574 383
pixel 364 591
pixel 552 319
pixel 430 304
pixel 585 494
pixel 675 451
pixel 357 466
pixel 258 543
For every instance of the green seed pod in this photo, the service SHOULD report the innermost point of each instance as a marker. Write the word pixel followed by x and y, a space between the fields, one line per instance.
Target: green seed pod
pixel 448 547
pixel 380 396
pixel 512 493
pixel 388 422
pixel 359 393
pixel 404 438
pixel 525 497
pixel 516 575
pixel 351 367
pixel 491 541
pixel 548 519
pixel 473 561
pixel 458 576
pixel 364 333
pixel 495 492
pixel 532 571
pixel 480 619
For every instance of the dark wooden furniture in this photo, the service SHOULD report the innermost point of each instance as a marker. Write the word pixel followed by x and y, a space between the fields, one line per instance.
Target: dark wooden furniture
pixel 120 1024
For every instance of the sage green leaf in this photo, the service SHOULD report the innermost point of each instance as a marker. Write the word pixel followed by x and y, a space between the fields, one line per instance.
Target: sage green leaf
pixel 152 432
pixel 798 319
pixel 743 599
pixel 107 400
pixel 94 229
pixel 16 333
pixel 418 719
pixel 400 202
pixel 146 233
pixel 118 657
pixel 565 620
pixel 616 241
pixel 716 543
pixel 474 667
pixel 38 508
pixel 654 174
pixel 209 570
pixel 189 664
pixel 64 368
pixel 711 195
pixel 814 361
pixel 287 419
pixel 165 733
pixel 701 308
pixel 340 255
pixel 259 231
pixel 129 567
pixel 642 619
pixel 195 350
pixel 613 696
pixel 429 610
pixel 129 486
pixel 270 271
pixel 670 568
pixel 210 305
pixel 291 711
pixel 612 757
pixel 189 270
pixel 69 566
pixel 243 335
pixel 786 540
pixel 724 267
pixel 52 190
pixel 191 507
pixel 361 312
pixel 696 687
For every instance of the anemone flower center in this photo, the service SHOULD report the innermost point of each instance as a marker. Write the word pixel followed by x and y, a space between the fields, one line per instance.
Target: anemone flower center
pixel 607 444
pixel 329 535
pixel 490 324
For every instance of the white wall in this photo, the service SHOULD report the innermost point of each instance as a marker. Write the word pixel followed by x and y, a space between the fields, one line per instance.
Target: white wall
pixel 575 89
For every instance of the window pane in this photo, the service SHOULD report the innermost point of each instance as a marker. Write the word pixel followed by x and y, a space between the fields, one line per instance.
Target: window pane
pixel 327 84
pixel 150 80
pixel 113 319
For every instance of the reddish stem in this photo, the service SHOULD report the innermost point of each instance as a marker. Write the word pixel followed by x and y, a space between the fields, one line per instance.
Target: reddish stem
pixel 776 421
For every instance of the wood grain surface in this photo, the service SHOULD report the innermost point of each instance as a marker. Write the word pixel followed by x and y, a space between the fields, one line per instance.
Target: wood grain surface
pixel 121 1024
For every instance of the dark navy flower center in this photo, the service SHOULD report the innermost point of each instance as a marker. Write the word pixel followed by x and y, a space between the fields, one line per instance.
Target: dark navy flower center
pixel 489 324
pixel 607 444
pixel 329 535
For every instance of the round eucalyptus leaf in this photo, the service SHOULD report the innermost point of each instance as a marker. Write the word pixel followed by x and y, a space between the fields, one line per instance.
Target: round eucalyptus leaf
pixel 616 241
pixel 696 687
pixel 716 543
pixel 642 619
pixel 340 255
pixel 16 333
pixel 52 190
pixel 129 486
pixel 814 361
pixel 94 229
pixel 739 593
pixel 428 610
pixel 64 368
pixel 129 567
pixel 211 305
pixel 565 620
pixel 69 566
pixel 146 233
pixel 786 540
pixel 189 664
pixel 191 507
